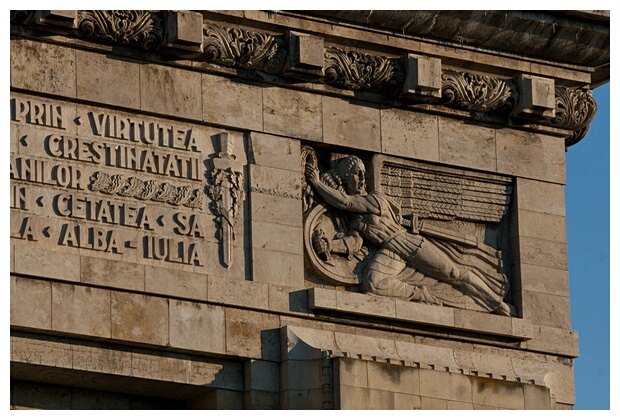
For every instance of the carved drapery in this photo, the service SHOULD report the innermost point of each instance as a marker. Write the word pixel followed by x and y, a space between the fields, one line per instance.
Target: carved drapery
pixel 474 92
pixel 241 48
pixel 139 28
pixel 359 71
pixel 146 190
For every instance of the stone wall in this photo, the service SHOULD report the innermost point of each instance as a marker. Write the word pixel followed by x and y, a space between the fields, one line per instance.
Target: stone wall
pixel 157 215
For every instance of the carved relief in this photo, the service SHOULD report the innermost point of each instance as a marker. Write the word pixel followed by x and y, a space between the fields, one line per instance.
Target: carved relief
pixel 574 110
pixel 358 71
pixel 474 92
pixel 146 190
pixel 358 237
pixel 139 28
pixel 226 192
pixel 235 47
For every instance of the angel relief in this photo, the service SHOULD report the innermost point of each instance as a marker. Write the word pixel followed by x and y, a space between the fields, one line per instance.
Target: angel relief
pixel 355 237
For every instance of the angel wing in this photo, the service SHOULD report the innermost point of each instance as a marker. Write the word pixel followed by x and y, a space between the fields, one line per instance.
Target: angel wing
pixel 441 193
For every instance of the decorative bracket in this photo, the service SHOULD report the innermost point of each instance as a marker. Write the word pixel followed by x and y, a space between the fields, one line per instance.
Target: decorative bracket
pixel 227 194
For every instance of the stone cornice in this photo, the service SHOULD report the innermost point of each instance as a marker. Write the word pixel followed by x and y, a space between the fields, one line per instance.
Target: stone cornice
pixel 413 78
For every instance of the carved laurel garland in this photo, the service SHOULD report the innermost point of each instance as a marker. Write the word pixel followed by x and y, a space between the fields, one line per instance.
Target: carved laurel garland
pixel 222 182
pixel 574 110
pixel 139 28
pixel 359 71
pixel 240 48
pixel 146 190
pixel 478 93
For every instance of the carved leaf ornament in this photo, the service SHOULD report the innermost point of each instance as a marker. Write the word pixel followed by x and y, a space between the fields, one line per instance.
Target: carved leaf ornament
pixel 574 110
pixel 474 92
pixel 125 27
pixel 240 48
pixel 358 71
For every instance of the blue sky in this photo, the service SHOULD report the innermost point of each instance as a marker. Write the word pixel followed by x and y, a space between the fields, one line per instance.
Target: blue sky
pixel 588 231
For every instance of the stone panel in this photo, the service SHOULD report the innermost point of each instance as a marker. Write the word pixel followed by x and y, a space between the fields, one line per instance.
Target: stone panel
pixel 354 373
pixel 547 280
pixel 81 310
pixel 252 334
pixel 109 273
pixel 274 151
pixel 540 252
pixel 98 81
pixel 467 145
pixel 407 402
pixel 408 134
pixel 541 197
pixel 536 397
pixel 429 403
pixel 281 210
pixel 531 155
pixel 539 225
pixel 139 318
pixel 43 67
pixel 351 123
pixel 177 283
pixel 197 326
pixel 445 386
pixel 171 91
pixel 292 113
pixel 544 309
pixel 39 262
pixel 276 237
pixel 232 103
pixel 277 267
pixel 238 292
pixel 393 378
pixel 501 394
pixel 27 294
pixel 275 182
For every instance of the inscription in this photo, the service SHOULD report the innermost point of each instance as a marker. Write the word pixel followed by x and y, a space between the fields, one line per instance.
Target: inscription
pixel 77 236
pixel 37 113
pixel 166 249
pixel 43 172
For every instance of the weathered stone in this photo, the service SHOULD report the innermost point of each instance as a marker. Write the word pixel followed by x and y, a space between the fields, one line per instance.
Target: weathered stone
pixel 139 318
pixel 544 309
pixel 112 273
pixel 26 293
pixel 348 123
pixel 175 283
pixel 43 263
pixel 81 310
pixel 445 386
pixel 501 394
pixel 292 113
pixel 238 292
pixel 539 225
pixel 478 152
pixel 406 134
pixel 529 193
pixel 274 151
pixel 537 96
pixel 423 76
pixel 253 335
pixel 538 279
pixel 232 103
pixel 429 403
pixel 156 85
pixel 197 326
pixel 393 378
pixel 97 79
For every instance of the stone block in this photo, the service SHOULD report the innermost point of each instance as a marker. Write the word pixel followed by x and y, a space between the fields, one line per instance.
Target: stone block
pixel 139 318
pixel 80 310
pixel 302 374
pixel 277 267
pixel 59 18
pixel 275 182
pixel 292 113
pixel 276 237
pixel 271 208
pixel 146 364
pixel 536 397
pixel 232 102
pixel 366 346
pixel 176 283
pixel 261 400
pixel 548 310
pixel 251 334
pixel 445 386
pixel 29 395
pixel 429 354
pixel 478 321
pixel 423 76
pixel 467 145
pixel 353 372
pixel 539 225
pixel 27 294
pixel 305 56
pixel 495 393
pixel 98 81
pixel 425 314
pixel 274 152
pixel 303 399
pixel 531 155
pixel 44 263
pixel 351 123
pixel 262 376
pixel 538 279
pixel 43 68
pixel 364 304
pixel 42 352
pixel 322 298
pixel 541 197
pixel 539 252
pixel 537 96
pixel 429 403
pixel 288 299
pixel 171 91
pixel 407 402
pixel 356 398
pixel 394 378
pixel 459 405
pixel 238 292
pixel 110 273
pixel 219 374
pixel 409 134
pixel 184 30
pixel 197 326
pixel 92 358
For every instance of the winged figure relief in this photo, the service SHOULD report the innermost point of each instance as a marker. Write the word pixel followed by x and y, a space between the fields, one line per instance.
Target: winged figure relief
pixel 379 239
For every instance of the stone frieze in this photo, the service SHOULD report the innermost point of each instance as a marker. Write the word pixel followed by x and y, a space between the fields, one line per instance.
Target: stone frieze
pixel 138 28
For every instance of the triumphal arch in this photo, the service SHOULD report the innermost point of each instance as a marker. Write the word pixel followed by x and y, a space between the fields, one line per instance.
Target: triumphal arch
pixel 295 209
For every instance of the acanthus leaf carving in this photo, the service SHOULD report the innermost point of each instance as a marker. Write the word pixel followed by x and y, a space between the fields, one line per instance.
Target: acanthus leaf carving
pixel 478 93
pixel 236 47
pixel 146 190
pixel 574 110
pixel 360 71
pixel 139 28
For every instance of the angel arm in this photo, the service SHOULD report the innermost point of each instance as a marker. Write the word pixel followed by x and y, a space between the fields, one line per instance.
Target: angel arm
pixel 352 203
